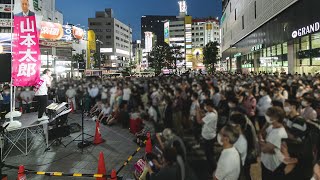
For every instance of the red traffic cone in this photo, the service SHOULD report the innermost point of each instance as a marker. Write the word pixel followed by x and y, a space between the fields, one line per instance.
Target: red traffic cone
pixel 97 137
pixel 148 144
pixel 113 175
pixel 21 173
pixel 21 110
pixel 101 167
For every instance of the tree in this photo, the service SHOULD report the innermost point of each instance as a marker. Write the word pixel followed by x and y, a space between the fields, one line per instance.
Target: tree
pixel 160 57
pixel 210 55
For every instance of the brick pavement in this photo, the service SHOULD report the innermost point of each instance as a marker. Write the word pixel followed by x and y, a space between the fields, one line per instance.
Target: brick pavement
pixel 117 148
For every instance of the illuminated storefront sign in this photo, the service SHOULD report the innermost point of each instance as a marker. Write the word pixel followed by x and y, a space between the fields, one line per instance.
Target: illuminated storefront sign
pixel 5 23
pixel 120 51
pixel 51 31
pixel 183 6
pixel 91 48
pixel 306 30
pixel 148 41
pixel 106 50
pixel 5 8
pixel 257 47
pixel 167 32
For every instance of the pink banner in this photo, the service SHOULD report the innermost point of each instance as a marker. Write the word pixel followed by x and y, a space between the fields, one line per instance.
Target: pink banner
pixel 26 62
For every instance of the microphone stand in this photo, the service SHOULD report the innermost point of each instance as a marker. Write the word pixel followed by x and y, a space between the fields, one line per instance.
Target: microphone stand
pixel 83 142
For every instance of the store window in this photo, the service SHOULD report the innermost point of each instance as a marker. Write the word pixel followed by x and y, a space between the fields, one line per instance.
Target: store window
pixel 315 40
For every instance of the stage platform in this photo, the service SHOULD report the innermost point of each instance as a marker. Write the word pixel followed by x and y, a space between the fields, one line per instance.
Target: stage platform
pixel 24 137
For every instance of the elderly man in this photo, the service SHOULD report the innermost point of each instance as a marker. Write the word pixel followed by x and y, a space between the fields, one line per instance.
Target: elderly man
pixel 25 9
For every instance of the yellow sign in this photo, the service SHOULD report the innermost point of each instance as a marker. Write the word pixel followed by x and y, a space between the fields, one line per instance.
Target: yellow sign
pixel 91 49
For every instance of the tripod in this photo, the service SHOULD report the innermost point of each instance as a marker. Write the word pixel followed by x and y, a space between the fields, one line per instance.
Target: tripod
pixel 83 142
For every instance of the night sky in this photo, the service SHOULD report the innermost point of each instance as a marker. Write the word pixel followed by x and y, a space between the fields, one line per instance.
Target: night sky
pixel 130 11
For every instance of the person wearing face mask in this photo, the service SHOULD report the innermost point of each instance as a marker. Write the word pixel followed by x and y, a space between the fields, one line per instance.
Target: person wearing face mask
pixel 316 95
pixel 263 105
pixel 307 112
pixel 104 94
pixel 208 132
pixel 270 142
pixel 295 124
pixel 6 99
pixel 196 128
pixel 42 94
pixel 229 163
pixel 71 96
pixel 26 97
pixel 291 161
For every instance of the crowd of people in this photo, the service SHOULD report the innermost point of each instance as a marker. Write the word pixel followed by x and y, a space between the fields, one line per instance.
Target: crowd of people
pixel 238 120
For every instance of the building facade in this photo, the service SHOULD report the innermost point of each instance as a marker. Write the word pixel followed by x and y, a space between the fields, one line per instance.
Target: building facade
pixel 271 36
pixel 114 39
pixel 154 24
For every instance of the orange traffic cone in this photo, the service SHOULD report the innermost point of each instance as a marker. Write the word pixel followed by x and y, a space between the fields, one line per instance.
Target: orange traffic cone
pixel 101 167
pixel 148 144
pixel 113 175
pixel 97 137
pixel 21 173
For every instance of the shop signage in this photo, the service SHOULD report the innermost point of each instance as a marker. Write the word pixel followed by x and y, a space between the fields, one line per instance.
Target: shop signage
pixel 237 55
pixel 5 22
pixel 257 47
pixel 306 30
pixel 5 8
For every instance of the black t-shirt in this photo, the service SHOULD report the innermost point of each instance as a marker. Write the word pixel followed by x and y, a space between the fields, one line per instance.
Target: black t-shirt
pixel 296 173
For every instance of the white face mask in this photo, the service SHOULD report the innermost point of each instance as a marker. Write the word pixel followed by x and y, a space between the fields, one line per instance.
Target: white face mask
pixel 219 139
pixel 261 93
pixel 287 109
pixel 304 103
pixel 247 94
pixel 268 119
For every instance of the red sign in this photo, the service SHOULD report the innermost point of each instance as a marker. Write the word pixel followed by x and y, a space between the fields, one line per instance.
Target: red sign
pixel 26 61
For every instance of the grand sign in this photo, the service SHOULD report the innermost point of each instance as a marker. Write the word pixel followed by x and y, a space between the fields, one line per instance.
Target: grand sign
pixel 306 30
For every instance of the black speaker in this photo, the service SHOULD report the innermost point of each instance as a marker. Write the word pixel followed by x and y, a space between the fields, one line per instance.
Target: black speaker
pixel 5 66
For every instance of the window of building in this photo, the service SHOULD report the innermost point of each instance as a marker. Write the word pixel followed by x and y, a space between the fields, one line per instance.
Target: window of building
pixel 201 45
pixel 201 34
pixel 117 38
pixel 201 39
pixel 108 37
pixel 117 25
pixel 108 23
pixel 255 9
pixel 192 34
pixel 197 34
pixel 197 39
pixel 235 14
pixel 192 39
pixel 315 43
pixel 201 28
pixel 108 30
pixel 242 21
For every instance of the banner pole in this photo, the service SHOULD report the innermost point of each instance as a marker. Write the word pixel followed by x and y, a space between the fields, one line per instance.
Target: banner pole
pixel 11 83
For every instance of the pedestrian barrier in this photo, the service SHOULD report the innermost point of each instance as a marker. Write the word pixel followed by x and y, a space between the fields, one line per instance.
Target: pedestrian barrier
pixel 130 158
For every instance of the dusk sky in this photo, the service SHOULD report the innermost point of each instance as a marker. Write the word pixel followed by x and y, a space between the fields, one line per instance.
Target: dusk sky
pixel 130 11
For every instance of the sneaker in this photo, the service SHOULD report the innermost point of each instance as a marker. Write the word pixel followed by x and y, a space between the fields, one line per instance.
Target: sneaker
pixel 197 146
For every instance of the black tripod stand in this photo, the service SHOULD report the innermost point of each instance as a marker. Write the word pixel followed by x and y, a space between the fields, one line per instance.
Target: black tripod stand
pixel 83 142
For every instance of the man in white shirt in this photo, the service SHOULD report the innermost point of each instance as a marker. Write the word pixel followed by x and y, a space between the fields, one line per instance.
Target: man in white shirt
pixel 26 98
pixel 71 95
pixel 229 163
pixel 42 94
pixel 209 131
pixel 126 93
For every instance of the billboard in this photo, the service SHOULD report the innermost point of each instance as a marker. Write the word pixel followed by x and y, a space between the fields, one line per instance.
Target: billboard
pixel 148 41
pixel 167 32
pixel 6 8
pixel 51 31
pixel 91 49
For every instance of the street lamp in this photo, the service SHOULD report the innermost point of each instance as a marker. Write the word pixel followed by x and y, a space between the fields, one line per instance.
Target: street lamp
pixel 47 59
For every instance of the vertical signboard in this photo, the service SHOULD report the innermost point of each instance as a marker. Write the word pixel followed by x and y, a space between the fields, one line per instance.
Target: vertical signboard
pixel 91 49
pixel 188 38
pixel 148 41
pixel 26 61
pixel 167 32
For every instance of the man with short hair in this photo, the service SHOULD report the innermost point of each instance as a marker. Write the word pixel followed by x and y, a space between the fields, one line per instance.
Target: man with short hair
pixel 26 97
pixel 42 94
pixel 229 163
pixel 209 131
pixel 25 9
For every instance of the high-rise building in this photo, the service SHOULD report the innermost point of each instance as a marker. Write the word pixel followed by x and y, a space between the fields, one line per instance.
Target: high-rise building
pixel 45 9
pixel 272 36
pixel 154 24
pixel 114 39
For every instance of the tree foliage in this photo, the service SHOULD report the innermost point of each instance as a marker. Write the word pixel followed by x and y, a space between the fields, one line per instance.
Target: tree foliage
pixel 210 55
pixel 160 57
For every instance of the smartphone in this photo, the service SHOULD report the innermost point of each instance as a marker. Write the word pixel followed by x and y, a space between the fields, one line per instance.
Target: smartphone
pixel 151 163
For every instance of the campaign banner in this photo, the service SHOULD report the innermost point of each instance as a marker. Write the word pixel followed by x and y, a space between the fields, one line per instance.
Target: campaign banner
pixel 26 61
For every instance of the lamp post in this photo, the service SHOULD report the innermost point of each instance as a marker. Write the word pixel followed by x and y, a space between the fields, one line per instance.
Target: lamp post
pixel 47 59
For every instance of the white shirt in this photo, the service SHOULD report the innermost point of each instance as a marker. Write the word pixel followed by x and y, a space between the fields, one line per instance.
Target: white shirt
pixel 209 127
pixel 126 94
pixel 71 93
pixel 153 114
pixel 263 105
pixel 242 146
pixel 43 89
pixel 93 92
pixel 228 167
pixel 274 136
pixel 28 96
